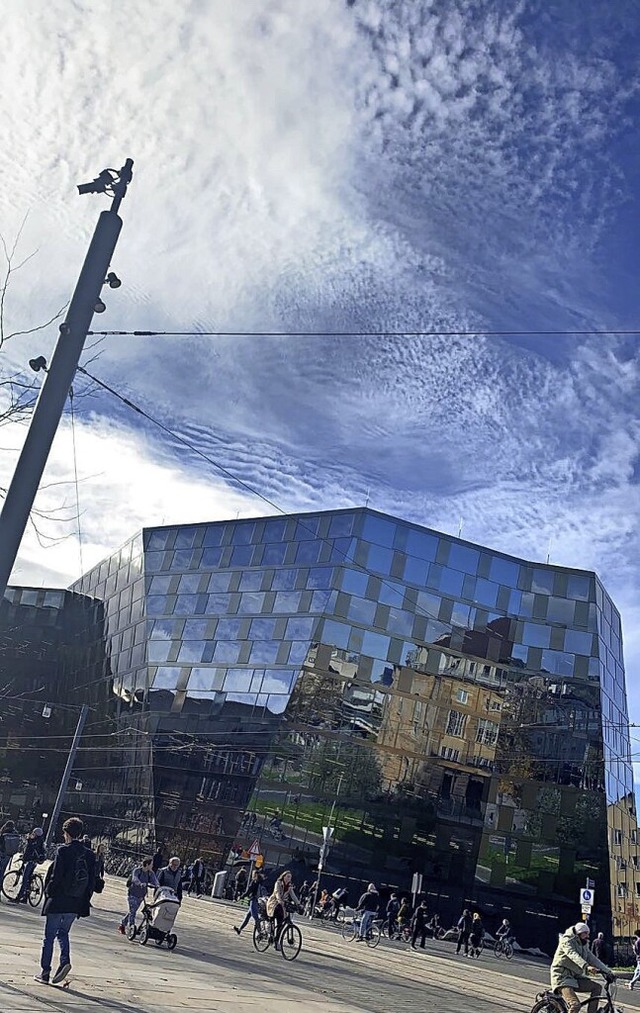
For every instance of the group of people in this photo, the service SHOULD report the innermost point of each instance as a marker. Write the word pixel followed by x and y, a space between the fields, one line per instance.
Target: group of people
pixel 281 897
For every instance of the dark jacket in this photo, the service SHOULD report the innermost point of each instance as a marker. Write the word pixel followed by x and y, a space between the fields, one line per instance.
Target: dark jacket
pixel 369 901
pixel 173 879
pixel 59 873
pixel 253 890
pixel 34 850
pixel 465 922
pixel 419 920
pixel 158 860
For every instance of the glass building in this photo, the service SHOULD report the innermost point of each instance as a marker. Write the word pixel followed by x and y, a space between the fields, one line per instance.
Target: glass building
pixel 451 710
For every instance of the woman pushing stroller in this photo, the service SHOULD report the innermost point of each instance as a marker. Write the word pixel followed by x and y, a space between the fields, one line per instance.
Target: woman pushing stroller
pixel 138 884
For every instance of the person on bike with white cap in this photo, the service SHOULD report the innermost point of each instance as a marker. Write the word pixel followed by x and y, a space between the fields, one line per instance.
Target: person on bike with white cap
pixel 570 968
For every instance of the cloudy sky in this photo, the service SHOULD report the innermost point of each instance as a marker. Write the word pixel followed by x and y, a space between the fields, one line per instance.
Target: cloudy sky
pixel 339 165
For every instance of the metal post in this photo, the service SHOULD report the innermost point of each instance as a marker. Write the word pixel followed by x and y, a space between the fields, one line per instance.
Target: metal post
pixel 55 390
pixel 323 849
pixel 66 775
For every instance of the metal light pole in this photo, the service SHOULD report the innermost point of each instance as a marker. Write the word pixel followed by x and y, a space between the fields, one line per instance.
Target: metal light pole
pixel 66 775
pixel 55 390
pixel 327 833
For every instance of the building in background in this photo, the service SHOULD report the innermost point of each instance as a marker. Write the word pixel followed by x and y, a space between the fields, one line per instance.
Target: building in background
pixel 462 713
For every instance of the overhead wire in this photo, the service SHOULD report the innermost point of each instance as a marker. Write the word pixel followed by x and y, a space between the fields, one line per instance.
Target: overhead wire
pixel 463 333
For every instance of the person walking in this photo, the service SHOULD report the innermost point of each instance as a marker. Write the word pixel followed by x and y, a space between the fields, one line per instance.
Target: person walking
pixel 9 845
pixel 464 930
pixel 598 946
pixel 419 925
pixel 34 853
pixel 252 893
pixel 172 876
pixel 476 935
pixel 570 968
pixel 393 906
pixel 636 953
pixel 100 857
pixel 404 915
pixel 68 888
pixel 138 885
pixel 197 877
pixel 158 860
pixel 368 906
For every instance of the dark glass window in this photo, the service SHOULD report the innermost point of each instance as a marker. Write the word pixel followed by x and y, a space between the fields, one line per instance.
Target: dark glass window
pixel 503 571
pixel 156 604
pixel 415 570
pixel 462 557
pixel 451 582
pixel 185 538
pixel 577 643
pixel 536 635
pixel 306 528
pixel 400 622
pixel 300 628
pixel 218 604
pixel 380 559
pixel 561 610
pixel 189 583
pixel 274 531
pixel 213 535
pixel 220 581
pixel 420 544
pixel 242 555
pixel 242 534
pixel 379 531
pixel 391 593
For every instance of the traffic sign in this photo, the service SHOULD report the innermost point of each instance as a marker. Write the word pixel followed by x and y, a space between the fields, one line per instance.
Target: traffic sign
pixel 254 850
pixel 587 896
pixel 586 909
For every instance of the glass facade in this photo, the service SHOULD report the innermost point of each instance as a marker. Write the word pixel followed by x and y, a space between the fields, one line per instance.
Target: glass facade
pixel 462 713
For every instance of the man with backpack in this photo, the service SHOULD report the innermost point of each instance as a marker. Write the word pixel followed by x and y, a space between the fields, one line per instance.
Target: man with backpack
pixel 68 889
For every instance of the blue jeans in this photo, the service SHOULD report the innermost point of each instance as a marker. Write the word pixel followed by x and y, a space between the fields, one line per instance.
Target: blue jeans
pixel 134 904
pixel 56 927
pixel 365 922
pixel 26 880
pixel 253 912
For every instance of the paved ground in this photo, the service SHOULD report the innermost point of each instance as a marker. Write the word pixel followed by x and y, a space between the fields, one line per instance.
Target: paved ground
pixel 211 970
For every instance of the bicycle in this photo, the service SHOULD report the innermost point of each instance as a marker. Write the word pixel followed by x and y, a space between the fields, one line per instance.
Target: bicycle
pixel 503 948
pixel 11 883
pixel 351 930
pixel 550 1002
pixel 288 940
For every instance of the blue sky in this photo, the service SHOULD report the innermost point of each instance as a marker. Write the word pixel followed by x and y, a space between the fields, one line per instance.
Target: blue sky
pixel 334 165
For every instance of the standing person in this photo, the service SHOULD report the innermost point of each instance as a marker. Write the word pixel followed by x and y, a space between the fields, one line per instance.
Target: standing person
pixel 570 968
pixel 636 953
pixel 138 884
pixel 419 925
pixel 476 935
pixel 9 845
pixel 282 892
pixel 34 853
pixel 240 882
pixel 158 860
pixel 197 877
pixel 68 888
pixel 253 894
pixel 368 905
pixel 172 877
pixel 464 931
pixel 100 857
pixel 393 906
pixel 86 840
pixel 599 945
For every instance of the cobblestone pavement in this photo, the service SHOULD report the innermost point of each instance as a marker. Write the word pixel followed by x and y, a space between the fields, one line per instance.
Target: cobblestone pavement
pixel 213 970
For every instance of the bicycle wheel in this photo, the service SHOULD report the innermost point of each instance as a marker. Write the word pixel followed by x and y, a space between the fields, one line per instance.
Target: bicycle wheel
pixel 373 936
pixel 261 937
pixel 384 929
pixel 349 931
pixel 508 950
pixel 36 890
pixel 548 1005
pixel 290 942
pixel 11 884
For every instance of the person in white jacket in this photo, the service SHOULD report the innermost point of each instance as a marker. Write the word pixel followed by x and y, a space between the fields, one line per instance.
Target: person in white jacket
pixel 570 968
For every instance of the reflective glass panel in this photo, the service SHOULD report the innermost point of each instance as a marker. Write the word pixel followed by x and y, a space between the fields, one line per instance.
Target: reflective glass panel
pixel 336 634
pixel 158 651
pixel 415 570
pixel 242 555
pixel 195 629
pixel 227 651
pixel 277 680
pixel 238 680
pixel 185 538
pixel 156 604
pixel 251 580
pixel 300 628
pixel 166 629
pixel 191 650
pixel 341 525
pixel 462 557
pixel 206 679
pixel 561 610
pixel 378 530
pixel 306 528
pixel 355 581
pixel 186 604
pixel 451 582
pixel 284 580
pixel 159 539
pixel 400 622
pixel 504 571
pixel 542 581
pixel 264 652
pixel 229 629
pixel 274 554
pixel 242 534
pixel 262 629
pixel 189 583
pixel 287 601
pixel 274 531
pixel 220 581
pixel 160 585
pixel 211 557
pixel 320 577
pixel 486 592
pixel 379 559
pixel 558 662
pixel 322 601
pixel 298 652
pixel 375 644
pixel 536 635
pixel 166 678
pixel 420 544
pixel 251 602
pixel 213 535
pixel 362 611
pixel 218 604
pixel 428 604
pixel 391 593
pixel 308 552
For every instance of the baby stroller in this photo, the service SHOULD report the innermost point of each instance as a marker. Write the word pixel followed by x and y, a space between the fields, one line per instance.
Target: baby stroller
pixel 158 918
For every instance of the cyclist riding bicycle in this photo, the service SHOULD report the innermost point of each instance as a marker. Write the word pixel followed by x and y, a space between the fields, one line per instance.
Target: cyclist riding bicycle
pixel 570 968
pixel 505 932
pixel 283 893
pixel 34 853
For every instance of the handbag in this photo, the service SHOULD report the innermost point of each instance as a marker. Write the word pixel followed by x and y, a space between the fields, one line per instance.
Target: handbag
pixel 99 885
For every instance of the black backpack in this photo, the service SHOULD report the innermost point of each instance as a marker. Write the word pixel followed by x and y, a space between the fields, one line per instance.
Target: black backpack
pixel 11 844
pixel 78 877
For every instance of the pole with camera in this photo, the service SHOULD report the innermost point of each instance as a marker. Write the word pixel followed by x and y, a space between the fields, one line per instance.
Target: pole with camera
pixel 59 376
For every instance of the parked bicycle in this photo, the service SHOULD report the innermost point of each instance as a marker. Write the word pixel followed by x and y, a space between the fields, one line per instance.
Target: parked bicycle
pixel 551 1002
pixel 351 929
pixel 503 948
pixel 288 940
pixel 12 881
